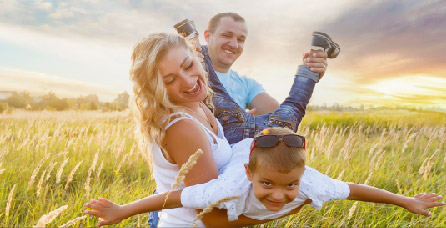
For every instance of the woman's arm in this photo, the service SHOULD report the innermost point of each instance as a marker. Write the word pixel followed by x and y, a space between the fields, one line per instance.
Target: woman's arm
pixel 181 141
pixel 219 218
pixel 417 205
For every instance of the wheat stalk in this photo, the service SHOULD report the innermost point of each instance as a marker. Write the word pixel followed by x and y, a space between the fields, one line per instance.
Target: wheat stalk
pixel 48 218
pixel 90 171
pixel 406 144
pixel 60 170
pixel 73 221
pixel 429 165
pixel 121 163
pixel 422 167
pixel 99 170
pixel 39 186
pixel 341 174
pixel 70 177
pixel 8 205
pixel 36 170
pixel 211 207
pixel 183 171
pixel 48 174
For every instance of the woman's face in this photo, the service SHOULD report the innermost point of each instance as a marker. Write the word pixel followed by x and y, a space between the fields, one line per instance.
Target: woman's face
pixel 182 75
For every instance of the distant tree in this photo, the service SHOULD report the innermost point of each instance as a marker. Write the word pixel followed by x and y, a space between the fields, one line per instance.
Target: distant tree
pixel 107 107
pixel 89 102
pixel 19 100
pixel 92 106
pixel 122 101
pixel 52 102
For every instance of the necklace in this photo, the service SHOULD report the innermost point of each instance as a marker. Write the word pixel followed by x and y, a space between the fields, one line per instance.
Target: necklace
pixel 201 116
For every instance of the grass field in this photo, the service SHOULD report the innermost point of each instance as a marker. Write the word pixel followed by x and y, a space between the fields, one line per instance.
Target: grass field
pixel 60 160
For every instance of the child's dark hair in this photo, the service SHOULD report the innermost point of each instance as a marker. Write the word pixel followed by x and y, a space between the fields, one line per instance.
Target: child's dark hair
pixel 281 157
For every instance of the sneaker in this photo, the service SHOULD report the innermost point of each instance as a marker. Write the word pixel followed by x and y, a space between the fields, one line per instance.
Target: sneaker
pixel 321 41
pixel 185 28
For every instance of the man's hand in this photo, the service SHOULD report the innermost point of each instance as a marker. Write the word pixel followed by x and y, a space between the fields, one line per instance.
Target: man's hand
pixel 420 202
pixel 317 62
pixel 109 212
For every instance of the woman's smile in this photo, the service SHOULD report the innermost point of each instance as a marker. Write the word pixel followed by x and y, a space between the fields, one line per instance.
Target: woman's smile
pixel 182 75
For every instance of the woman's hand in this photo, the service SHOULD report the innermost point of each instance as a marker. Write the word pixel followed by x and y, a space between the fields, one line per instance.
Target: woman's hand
pixel 109 212
pixel 420 202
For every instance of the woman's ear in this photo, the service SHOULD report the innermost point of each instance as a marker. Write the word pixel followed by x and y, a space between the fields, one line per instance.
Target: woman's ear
pixel 248 172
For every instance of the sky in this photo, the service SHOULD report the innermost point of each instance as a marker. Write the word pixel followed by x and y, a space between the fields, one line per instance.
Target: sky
pixel 393 52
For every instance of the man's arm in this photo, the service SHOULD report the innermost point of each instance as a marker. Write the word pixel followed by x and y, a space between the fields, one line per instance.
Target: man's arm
pixel 417 205
pixel 263 103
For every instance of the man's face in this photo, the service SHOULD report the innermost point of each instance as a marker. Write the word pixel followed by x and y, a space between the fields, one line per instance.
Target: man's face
pixel 226 43
pixel 273 188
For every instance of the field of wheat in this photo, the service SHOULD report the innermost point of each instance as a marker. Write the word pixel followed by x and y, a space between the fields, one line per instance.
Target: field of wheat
pixel 51 163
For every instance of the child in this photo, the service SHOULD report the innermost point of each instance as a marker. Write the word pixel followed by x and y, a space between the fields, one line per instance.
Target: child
pixel 274 183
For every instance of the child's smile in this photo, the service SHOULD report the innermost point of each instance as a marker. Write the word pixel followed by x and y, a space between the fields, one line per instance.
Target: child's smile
pixel 273 188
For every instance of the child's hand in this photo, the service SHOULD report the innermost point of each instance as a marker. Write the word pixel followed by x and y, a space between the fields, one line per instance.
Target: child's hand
pixel 109 212
pixel 420 202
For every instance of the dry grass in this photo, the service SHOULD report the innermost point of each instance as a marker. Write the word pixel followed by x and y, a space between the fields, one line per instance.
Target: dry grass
pixel 102 154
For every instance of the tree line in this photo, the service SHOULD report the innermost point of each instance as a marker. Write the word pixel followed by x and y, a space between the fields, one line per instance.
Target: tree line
pixel 49 101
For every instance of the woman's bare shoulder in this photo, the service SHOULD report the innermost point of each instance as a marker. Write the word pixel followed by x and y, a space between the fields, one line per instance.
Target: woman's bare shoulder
pixel 184 138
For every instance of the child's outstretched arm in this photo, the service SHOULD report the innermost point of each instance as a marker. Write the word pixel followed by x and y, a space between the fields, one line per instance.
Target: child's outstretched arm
pixel 417 204
pixel 112 213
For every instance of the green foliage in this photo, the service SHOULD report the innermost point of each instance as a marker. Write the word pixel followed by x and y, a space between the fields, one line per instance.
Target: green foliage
pixel 392 151
pixel 19 100
pixel 51 102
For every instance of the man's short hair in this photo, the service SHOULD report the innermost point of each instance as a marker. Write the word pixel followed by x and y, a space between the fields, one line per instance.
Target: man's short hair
pixel 215 20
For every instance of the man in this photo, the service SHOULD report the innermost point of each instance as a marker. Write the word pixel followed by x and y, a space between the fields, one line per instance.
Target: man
pixel 226 36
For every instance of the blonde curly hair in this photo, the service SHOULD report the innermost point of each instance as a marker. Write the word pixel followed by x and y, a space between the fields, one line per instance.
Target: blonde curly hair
pixel 150 101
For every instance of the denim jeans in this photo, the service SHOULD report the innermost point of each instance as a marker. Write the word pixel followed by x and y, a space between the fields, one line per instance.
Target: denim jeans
pixel 238 124
pixel 153 217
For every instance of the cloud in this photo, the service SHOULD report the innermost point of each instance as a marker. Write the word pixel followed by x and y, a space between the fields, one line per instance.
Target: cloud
pixel 380 40
pixel 38 84
pixel 392 38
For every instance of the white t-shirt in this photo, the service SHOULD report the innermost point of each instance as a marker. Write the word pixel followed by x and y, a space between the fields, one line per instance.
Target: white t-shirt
pixel 233 182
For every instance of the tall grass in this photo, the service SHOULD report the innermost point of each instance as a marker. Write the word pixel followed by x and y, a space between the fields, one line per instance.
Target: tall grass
pixel 52 159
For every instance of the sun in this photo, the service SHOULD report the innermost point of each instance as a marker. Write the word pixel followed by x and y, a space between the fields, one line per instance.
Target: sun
pixel 411 90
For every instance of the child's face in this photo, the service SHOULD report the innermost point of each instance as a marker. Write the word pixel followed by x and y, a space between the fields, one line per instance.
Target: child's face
pixel 273 188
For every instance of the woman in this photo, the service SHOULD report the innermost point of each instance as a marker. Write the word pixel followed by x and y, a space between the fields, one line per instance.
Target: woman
pixel 170 86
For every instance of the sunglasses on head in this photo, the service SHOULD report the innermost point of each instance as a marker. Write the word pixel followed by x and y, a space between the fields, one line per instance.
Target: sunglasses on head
pixel 291 140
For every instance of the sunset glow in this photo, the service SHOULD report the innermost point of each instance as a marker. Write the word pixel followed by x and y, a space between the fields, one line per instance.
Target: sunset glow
pixel 392 52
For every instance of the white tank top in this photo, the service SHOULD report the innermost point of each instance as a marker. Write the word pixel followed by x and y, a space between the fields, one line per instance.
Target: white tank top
pixel 165 172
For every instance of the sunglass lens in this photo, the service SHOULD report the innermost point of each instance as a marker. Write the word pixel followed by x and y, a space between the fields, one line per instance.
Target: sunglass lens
pixel 268 140
pixel 293 140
